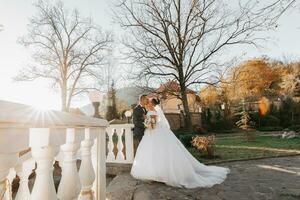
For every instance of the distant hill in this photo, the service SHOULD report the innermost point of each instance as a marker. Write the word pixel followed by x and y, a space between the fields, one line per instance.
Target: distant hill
pixel 130 95
pixel 88 109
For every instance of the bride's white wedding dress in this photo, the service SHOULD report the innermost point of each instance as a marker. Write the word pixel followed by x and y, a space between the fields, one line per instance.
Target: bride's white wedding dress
pixel 162 157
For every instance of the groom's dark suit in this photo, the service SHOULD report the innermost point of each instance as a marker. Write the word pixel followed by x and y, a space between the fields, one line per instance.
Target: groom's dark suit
pixel 138 120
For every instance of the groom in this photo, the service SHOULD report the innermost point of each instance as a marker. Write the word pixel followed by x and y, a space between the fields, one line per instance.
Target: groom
pixel 139 113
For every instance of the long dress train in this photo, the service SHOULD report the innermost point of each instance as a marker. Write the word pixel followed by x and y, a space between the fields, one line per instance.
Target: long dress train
pixel 162 157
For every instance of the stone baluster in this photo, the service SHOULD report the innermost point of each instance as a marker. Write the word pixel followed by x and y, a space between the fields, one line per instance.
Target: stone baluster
pixel 24 169
pixel 44 183
pixel 94 161
pixel 7 161
pixel 129 144
pixel 120 146
pixel 110 156
pixel 12 141
pixel 44 143
pixel 86 172
pixel 11 176
pixel 70 186
pixel 101 165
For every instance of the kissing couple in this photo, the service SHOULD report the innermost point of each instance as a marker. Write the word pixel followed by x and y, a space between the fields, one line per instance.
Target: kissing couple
pixel 161 157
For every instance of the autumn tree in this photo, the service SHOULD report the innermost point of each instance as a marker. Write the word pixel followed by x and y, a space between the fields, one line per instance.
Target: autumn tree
pixel 68 50
pixel 183 40
pixel 209 95
pixel 254 78
pixel 291 79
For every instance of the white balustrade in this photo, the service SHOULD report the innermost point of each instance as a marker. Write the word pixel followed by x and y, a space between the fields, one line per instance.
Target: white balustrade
pixel 110 145
pixel 45 143
pixel 101 165
pixel 122 131
pixel 129 146
pixel 10 178
pixel 87 172
pixel 70 186
pixel 12 141
pixel 24 170
pixel 120 146
pixel 43 135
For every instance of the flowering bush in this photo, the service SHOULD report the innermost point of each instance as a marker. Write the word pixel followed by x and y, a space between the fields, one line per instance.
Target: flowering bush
pixel 205 144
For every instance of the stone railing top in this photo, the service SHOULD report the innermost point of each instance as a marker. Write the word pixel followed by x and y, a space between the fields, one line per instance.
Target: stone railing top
pixel 19 115
pixel 121 126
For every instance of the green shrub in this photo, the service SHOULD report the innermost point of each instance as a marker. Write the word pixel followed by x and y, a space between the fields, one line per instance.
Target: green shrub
pixel 270 128
pixel 286 112
pixel 269 120
pixel 186 139
pixel 262 122
pixel 180 132
pixel 222 125
pixel 199 130
pixel 295 127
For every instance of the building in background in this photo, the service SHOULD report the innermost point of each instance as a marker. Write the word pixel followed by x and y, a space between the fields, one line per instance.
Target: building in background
pixel 169 95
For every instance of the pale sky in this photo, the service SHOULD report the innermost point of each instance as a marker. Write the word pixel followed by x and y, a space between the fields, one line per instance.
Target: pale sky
pixel 14 15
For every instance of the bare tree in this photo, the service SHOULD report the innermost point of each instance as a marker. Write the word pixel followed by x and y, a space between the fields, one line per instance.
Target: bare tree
pixel 186 40
pixel 111 72
pixel 69 50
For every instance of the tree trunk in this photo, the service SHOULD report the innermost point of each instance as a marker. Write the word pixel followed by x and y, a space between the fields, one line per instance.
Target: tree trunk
pixel 64 107
pixel 187 114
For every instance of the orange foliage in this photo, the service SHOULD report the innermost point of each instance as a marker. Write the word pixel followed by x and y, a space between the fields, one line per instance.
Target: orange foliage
pixel 253 78
pixel 209 95
pixel 263 106
pixel 205 143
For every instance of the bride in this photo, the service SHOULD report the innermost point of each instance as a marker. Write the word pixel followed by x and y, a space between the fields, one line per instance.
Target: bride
pixel 161 157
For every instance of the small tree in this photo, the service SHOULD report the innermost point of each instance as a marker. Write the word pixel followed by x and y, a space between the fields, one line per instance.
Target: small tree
pixel 244 122
pixel 112 112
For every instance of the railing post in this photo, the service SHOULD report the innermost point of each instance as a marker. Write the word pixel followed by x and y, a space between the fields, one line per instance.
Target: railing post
pixel 86 172
pixel 120 146
pixel 101 165
pixel 11 176
pixel 44 146
pixel 7 161
pixel 23 170
pixel 70 186
pixel 129 144
pixel 110 156
pixel 44 184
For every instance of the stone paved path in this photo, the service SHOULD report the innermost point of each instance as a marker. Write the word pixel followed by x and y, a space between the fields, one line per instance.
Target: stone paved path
pixel 266 179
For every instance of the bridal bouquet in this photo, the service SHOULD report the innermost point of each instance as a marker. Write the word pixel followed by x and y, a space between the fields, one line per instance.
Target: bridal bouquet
pixel 150 122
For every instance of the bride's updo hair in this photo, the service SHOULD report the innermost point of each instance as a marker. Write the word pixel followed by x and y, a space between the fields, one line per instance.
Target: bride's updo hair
pixel 155 101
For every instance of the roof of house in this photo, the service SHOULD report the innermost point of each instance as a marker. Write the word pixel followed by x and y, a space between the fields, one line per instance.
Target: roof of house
pixel 169 87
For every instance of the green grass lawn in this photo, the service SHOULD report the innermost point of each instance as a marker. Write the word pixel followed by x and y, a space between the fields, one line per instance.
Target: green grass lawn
pixel 232 148
pixel 262 141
